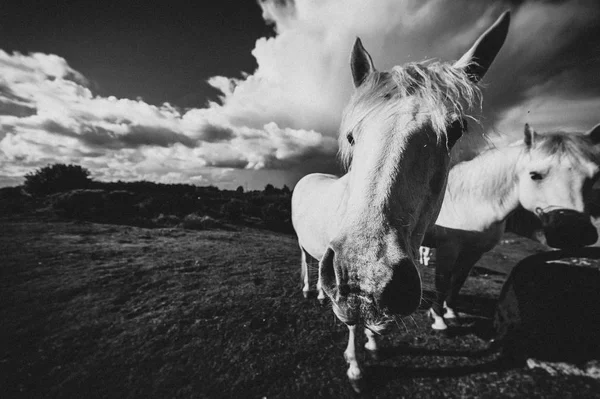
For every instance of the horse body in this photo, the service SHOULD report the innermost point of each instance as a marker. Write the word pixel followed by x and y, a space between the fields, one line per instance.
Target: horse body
pixel 319 204
pixel 366 227
pixel 546 174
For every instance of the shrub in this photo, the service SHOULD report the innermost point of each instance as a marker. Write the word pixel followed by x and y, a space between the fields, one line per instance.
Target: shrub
pixel 269 189
pixel 233 209
pixel 56 178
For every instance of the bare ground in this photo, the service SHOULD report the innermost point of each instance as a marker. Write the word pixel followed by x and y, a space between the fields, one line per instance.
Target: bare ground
pixel 92 310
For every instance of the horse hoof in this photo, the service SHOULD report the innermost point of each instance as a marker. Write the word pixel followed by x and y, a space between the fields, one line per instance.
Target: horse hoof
pixel 358 384
pixel 450 313
pixel 438 321
pixel 305 294
pixel 322 301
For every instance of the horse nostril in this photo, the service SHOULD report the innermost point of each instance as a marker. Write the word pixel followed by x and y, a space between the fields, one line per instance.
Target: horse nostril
pixel 402 294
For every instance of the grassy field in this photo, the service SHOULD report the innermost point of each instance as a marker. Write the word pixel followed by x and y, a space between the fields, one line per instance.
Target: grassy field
pixel 90 310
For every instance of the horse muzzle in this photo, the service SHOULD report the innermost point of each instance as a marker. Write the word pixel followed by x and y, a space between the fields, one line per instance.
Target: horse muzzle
pixel 568 229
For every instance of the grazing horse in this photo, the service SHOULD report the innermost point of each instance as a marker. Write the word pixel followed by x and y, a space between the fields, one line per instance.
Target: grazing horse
pixel 547 174
pixel 366 227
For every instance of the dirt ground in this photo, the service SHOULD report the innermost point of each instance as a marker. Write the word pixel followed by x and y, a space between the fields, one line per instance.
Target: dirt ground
pixel 107 311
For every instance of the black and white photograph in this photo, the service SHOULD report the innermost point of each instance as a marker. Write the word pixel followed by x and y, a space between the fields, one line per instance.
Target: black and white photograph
pixel 300 199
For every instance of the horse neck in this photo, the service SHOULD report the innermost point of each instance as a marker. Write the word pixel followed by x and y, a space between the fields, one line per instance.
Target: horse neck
pixel 490 181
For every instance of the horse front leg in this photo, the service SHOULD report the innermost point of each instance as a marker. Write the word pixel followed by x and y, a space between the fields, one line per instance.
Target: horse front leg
pixel 444 266
pixel 436 312
pixel 463 266
pixel 354 372
pixel 321 294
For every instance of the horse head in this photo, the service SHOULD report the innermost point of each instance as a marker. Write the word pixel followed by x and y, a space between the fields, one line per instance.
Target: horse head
pixel 556 175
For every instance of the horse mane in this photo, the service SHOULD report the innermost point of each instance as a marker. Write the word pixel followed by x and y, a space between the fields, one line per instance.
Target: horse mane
pixel 445 92
pixel 486 174
pixel 575 146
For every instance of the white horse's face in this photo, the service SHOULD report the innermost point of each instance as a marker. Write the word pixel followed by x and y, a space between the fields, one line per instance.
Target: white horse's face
pixel 397 130
pixel 555 184
pixel 395 189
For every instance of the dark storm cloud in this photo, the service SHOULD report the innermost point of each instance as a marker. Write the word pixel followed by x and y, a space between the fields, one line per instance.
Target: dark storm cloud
pixel 215 134
pixel 135 137
pixel 228 163
pixel 155 136
pixel 561 54
pixel 15 109
pixel 14 105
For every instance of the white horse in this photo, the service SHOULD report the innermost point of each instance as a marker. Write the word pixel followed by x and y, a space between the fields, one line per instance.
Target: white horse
pixel 547 174
pixel 425 255
pixel 395 138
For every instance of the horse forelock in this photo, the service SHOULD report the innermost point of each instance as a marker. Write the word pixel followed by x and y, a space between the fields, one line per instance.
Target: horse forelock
pixel 443 91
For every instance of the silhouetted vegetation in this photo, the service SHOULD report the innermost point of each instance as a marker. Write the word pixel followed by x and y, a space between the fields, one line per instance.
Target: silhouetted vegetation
pixel 56 178
pixel 67 191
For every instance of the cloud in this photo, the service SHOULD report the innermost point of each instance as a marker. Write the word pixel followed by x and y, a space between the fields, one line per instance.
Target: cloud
pixel 281 120
pixel 48 114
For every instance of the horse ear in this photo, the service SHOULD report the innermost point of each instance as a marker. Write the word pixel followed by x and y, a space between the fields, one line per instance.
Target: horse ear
pixel 361 63
pixel 594 134
pixel 480 56
pixel 529 135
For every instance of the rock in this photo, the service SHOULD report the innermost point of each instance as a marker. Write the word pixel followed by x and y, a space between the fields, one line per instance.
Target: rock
pixel 549 307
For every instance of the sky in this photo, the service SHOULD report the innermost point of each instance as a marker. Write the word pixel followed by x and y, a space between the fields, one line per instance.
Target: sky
pixel 247 93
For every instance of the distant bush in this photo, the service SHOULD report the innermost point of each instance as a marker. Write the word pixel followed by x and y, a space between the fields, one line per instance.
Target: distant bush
pixel 233 209
pixel 269 189
pixel 277 216
pixel 197 222
pixel 86 204
pixel 56 178
pixel 13 200
pixel 96 205
pixel 67 190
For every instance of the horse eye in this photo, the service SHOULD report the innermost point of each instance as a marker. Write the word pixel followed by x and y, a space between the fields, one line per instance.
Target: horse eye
pixel 536 176
pixel 350 138
pixel 455 131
